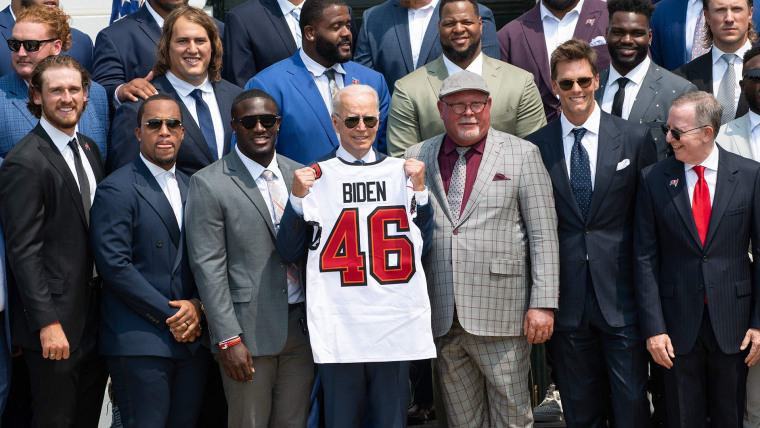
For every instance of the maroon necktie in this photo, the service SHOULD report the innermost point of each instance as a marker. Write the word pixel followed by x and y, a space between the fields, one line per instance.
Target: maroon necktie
pixel 700 204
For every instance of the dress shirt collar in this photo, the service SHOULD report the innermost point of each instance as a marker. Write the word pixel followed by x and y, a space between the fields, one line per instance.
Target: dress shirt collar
pixel 449 145
pixel 591 124
pixel 157 170
pixel 348 157
pixel 754 121
pixel 717 54
pixel 287 7
pixel 255 168
pixel 545 13
pixel 636 75
pixel 184 88
pixel 60 138
pixel 316 68
pixel 710 163
pixel 476 66
pixel 429 6
pixel 13 15
pixel 155 15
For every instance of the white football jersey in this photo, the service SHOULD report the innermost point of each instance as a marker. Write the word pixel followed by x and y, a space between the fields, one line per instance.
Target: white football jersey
pixel 366 293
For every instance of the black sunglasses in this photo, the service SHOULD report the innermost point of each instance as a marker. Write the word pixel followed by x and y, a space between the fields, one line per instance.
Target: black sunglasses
pixel 583 82
pixel 675 133
pixel 249 122
pixel 29 45
pixel 352 122
pixel 155 124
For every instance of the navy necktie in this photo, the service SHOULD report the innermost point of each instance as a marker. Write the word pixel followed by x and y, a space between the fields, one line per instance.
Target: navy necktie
pixel 205 122
pixel 580 173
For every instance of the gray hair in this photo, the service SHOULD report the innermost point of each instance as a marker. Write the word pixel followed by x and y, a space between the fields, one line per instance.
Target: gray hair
pixel 707 109
pixel 353 89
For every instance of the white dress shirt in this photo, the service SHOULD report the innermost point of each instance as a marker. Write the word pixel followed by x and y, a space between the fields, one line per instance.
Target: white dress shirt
pixel 167 180
pixel 323 83
pixel 287 11
pixel 711 175
pixel 184 89
pixel 719 68
pixel 558 31
pixel 155 15
pixel 754 141
pixel 476 66
pixel 636 77
pixel 295 290
pixel 61 142
pixel 419 19
pixel 590 140
pixel 693 9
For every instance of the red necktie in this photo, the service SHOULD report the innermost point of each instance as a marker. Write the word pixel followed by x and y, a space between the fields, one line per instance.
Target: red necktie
pixel 700 204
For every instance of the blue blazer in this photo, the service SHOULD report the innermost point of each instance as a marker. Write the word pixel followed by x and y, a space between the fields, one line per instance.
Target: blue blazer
pixel 384 46
pixel 306 132
pixel 194 153
pixel 16 120
pixel 81 44
pixel 136 241
pixel 126 49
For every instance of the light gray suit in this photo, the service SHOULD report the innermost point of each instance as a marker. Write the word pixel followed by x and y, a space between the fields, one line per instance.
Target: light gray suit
pixel 652 105
pixel 242 282
pixel 500 258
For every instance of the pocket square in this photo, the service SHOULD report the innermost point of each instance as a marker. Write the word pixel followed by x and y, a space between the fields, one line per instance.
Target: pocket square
pixel 598 41
pixel 622 164
pixel 499 177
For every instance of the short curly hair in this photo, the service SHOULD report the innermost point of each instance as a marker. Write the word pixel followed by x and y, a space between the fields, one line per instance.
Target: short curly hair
pixel 49 63
pixel 55 20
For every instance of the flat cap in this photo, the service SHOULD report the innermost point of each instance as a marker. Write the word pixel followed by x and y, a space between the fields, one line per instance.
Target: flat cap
pixel 463 81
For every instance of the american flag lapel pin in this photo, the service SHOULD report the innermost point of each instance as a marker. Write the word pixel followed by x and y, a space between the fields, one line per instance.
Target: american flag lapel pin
pixel 590 21
pixel 673 183
pixel 355 81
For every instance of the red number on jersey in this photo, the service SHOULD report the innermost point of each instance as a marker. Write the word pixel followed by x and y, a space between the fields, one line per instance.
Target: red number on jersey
pixel 341 252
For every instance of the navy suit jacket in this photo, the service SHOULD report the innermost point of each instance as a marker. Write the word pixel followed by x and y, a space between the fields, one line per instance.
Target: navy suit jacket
pixel 256 36
pixel 601 245
pixel 126 49
pixel 140 254
pixel 307 132
pixel 384 45
pixel 194 153
pixel 16 120
pixel 674 272
pixel 4 281
pixel 81 44
pixel 523 45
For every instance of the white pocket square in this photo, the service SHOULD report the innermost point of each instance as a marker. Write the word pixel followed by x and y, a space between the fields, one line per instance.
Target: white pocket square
pixel 622 164
pixel 598 41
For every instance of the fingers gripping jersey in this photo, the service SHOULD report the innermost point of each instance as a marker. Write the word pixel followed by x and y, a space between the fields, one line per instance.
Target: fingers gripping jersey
pixel 366 291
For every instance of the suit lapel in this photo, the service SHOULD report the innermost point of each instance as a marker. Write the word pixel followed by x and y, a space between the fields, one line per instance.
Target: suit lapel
pixel 650 86
pixel 741 134
pixel 675 181
pixel 304 84
pixel 437 73
pixel 491 74
pixel 96 162
pixel 224 102
pixel 608 156
pixel 485 175
pixel 274 13
pixel 558 168
pixel 724 189
pixel 586 22
pixel 533 31
pixel 401 25
pixel 429 156
pixel 149 25
pixel 149 189
pixel 702 77
pixel 287 172
pixel 604 78
pixel 429 40
pixel 242 178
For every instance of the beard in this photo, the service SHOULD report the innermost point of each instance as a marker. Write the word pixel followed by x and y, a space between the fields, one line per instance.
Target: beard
pixel 638 57
pixel 456 56
pixel 50 115
pixel 330 52
pixel 560 4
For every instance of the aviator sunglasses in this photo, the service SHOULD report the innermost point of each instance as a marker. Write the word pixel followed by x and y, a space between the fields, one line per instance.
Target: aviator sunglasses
pixel 352 122
pixel 583 82
pixel 249 122
pixel 29 45
pixel 676 133
pixel 155 124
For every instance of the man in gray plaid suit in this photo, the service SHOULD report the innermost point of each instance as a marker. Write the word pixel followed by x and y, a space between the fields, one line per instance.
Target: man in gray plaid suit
pixel 493 268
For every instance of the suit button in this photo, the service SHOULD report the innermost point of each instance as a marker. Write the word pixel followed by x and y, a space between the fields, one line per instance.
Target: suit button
pixel 456 232
pixel 587 231
pixel 701 287
pixel 704 258
pixel 284 290
pixel 173 276
pixel 159 244
pixel 282 264
pixel 583 260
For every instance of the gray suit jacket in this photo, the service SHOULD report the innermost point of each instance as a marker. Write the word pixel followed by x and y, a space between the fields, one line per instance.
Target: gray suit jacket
pixel 241 279
pixel 501 257
pixel 652 105
pixel 735 137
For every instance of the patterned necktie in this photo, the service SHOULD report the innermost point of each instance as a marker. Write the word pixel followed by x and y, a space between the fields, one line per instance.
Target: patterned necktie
pixel 278 202
pixel 205 122
pixel 580 172
pixel 330 73
pixel 84 183
pixel 457 183
pixel 700 203
pixel 297 15
pixel 698 47
pixel 619 100
pixel 726 90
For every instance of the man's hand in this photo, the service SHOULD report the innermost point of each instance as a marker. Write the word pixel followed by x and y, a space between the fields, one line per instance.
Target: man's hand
pixel 752 337
pixel 138 87
pixel 303 179
pixel 238 363
pixel 415 170
pixel 539 325
pixel 661 349
pixel 54 343
pixel 186 322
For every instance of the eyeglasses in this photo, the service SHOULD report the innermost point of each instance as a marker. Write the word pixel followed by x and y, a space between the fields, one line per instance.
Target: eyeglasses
pixel 675 133
pixel 29 45
pixel 476 107
pixel 583 82
pixel 155 124
pixel 352 122
pixel 249 122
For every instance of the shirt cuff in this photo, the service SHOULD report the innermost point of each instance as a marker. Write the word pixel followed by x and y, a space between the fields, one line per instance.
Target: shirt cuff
pixel 297 204
pixel 421 196
pixel 116 96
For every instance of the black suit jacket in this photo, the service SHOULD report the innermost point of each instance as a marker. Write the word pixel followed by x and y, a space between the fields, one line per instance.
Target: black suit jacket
pixel 194 153
pixel 674 272
pixel 47 237
pixel 699 72
pixel 602 245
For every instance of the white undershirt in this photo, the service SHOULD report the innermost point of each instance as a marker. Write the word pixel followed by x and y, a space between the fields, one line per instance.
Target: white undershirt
pixel 167 180
pixel 476 66
pixel 61 142
pixel 419 19
pixel 711 175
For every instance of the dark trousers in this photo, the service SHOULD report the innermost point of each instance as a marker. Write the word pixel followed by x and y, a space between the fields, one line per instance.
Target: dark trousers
pixel 597 364
pixel 421 376
pixel 5 363
pixel 374 393
pixel 706 379
pixel 159 392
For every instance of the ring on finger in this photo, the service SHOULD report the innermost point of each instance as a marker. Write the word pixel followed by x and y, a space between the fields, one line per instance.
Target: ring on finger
pixel 186 324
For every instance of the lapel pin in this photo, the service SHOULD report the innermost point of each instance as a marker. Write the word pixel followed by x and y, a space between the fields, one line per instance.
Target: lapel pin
pixel 673 183
pixel 86 146
pixel 590 21
pixel 355 81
